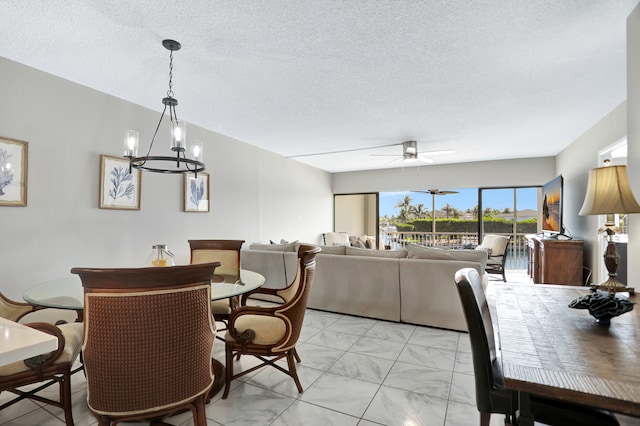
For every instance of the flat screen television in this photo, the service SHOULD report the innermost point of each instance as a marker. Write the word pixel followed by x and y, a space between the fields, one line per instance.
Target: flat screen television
pixel 552 207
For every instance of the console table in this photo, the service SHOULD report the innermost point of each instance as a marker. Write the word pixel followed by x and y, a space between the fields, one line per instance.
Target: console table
pixel 555 261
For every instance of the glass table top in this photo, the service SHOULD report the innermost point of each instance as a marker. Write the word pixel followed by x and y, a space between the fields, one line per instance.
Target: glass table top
pixel 67 292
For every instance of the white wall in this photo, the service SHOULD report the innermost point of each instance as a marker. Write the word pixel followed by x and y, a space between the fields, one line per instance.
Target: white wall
pixel 633 141
pixel 574 163
pixel 255 195
pixel 518 172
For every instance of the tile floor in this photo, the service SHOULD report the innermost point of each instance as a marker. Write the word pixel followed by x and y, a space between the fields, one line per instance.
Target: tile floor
pixel 355 371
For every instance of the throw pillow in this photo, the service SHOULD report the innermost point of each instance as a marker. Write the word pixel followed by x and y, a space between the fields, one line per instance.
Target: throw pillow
pixel 336 238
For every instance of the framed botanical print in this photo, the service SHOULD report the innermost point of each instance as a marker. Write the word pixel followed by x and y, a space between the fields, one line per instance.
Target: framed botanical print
pixel 13 172
pixel 119 188
pixel 196 192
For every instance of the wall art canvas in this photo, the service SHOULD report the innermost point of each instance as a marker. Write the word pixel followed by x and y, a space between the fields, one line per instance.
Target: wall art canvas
pixel 119 188
pixel 196 192
pixel 13 172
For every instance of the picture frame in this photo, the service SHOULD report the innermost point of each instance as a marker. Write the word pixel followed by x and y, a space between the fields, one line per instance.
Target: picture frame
pixel 196 193
pixel 14 160
pixel 119 189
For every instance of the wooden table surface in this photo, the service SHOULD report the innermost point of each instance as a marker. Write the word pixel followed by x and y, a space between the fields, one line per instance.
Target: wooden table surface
pixel 552 350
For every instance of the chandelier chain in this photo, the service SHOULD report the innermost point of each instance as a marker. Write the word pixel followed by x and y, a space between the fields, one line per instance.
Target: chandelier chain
pixel 170 91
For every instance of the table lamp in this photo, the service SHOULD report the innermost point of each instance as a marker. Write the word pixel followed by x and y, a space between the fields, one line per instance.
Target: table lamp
pixel 609 193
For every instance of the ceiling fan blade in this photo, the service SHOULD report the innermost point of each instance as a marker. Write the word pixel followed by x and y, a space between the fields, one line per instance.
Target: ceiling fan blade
pixel 385 155
pixel 393 161
pixel 426 159
pixel 439 152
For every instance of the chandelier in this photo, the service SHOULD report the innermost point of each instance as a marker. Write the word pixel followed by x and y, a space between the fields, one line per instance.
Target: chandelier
pixel 180 163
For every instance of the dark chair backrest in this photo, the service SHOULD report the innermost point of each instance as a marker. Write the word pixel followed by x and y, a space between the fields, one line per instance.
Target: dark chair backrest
pixel 486 365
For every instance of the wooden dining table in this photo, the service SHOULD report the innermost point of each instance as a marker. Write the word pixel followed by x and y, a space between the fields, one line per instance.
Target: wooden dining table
pixel 555 351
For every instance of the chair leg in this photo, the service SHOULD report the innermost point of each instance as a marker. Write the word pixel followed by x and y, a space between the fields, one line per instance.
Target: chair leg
pixel 228 372
pixel 292 369
pixel 200 415
pixel 295 353
pixel 485 419
pixel 65 397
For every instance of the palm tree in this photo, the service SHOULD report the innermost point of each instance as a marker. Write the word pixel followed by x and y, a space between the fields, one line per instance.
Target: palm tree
pixel 418 211
pixel 405 207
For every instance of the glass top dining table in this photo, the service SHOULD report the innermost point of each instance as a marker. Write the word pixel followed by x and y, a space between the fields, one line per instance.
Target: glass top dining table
pixel 67 292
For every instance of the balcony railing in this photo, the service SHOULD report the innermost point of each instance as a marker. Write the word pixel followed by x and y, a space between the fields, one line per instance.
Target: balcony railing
pixel 517 257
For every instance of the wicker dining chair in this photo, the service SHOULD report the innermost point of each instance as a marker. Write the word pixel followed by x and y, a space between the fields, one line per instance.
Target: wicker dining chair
pixel 45 370
pixel 227 252
pixel 148 339
pixel 271 333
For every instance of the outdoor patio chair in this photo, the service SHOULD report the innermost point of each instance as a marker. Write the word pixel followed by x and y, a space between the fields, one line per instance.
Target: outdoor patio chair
pixel 496 247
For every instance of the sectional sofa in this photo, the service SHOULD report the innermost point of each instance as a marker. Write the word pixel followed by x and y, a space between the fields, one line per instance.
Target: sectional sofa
pixel 413 285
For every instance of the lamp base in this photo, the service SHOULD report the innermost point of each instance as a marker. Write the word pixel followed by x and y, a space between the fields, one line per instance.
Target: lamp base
pixel 612 285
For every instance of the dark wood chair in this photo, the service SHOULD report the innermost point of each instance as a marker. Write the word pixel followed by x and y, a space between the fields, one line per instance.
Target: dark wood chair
pixel 45 370
pixel 227 252
pixel 491 395
pixel 271 333
pixel 149 335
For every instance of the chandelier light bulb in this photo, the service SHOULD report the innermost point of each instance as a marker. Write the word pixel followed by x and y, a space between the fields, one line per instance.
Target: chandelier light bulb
pixel 131 138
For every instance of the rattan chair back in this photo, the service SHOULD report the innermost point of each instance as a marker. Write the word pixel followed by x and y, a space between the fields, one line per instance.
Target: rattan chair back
pixel 148 340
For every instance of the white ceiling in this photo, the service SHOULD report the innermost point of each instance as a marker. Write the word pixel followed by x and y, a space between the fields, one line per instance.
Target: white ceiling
pixel 490 79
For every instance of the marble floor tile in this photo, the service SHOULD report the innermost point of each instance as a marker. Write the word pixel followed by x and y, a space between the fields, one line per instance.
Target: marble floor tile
pixel 352 325
pixel 276 381
pixel 333 339
pixel 459 414
pixel 392 331
pixel 319 319
pixel 429 357
pixel 320 357
pixel 302 413
pixel 380 348
pixel 417 379
pixel 364 367
pixel 399 407
pixel 248 405
pixel 464 363
pixel 463 388
pixel 435 338
pixel 344 394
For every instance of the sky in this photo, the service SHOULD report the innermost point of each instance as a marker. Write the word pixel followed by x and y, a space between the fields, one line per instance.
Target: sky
pixel 466 198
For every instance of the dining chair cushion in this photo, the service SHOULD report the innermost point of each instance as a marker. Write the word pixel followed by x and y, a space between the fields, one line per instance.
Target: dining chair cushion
pixel 269 330
pixel 221 306
pixel 72 333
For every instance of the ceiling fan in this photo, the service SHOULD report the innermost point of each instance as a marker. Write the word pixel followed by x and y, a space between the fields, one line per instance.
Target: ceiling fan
pixel 410 154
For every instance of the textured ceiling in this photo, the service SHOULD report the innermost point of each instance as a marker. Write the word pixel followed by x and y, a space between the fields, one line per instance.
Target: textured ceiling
pixel 490 79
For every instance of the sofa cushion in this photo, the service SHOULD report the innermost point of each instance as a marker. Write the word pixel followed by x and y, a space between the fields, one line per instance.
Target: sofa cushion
pixel 333 249
pixel 275 247
pixel 389 254
pixel 415 251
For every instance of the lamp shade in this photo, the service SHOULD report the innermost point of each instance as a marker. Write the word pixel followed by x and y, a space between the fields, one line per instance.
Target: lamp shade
pixel 609 192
